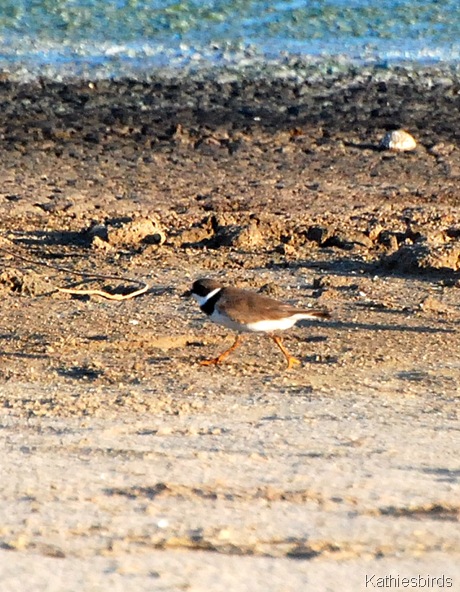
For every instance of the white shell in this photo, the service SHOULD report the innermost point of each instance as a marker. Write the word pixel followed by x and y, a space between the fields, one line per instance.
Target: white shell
pixel 399 140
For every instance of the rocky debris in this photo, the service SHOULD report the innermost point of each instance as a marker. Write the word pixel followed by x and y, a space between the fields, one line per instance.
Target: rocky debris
pixel 183 136
pixel 225 230
pixel 239 236
pixel 247 232
pixel 442 149
pixel 127 233
pixel 25 283
pixel 56 204
pixel 398 141
pixel 453 232
pixel 327 282
pixel 412 247
pixel 198 235
pixel 326 287
pixel 273 290
pixel 424 256
pixel 374 230
pixel 349 239
pixel 432 304
pixel 391 239
pixel 330 236
pixel 6 247
pixel 319 234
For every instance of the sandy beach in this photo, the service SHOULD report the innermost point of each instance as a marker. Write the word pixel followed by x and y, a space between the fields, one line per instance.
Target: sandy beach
pixel 127 464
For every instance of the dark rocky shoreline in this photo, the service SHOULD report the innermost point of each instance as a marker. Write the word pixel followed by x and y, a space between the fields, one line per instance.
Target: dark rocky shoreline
pixel 358 102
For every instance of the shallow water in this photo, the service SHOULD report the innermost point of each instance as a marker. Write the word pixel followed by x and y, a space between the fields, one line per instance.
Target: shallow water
pixel 62 37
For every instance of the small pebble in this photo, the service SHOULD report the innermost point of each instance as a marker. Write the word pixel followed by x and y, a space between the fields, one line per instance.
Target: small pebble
pixel 399 141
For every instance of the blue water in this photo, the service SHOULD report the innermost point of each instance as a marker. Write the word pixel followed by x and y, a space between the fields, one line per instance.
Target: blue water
pixel 101 38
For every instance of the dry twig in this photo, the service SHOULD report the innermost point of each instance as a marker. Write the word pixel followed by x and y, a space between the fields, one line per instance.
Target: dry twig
pixel 86 292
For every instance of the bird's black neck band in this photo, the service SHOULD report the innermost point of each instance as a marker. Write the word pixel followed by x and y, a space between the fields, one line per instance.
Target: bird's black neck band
pixel 208 306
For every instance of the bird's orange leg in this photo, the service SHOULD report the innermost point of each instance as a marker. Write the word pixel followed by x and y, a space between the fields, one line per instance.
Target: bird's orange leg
pixel 291 361
pixel 223 355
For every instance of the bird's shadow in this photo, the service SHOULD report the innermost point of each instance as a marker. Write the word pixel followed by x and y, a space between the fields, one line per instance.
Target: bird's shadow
pixel 346 325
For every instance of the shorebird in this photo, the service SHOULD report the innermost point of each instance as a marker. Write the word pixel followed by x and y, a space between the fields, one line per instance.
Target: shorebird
pixel 244 311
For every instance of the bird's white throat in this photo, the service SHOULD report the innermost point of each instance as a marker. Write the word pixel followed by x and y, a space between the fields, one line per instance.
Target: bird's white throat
pixel 203 299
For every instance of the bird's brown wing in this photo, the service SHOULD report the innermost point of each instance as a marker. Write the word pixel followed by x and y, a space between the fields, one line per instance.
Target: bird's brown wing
pixel 242 306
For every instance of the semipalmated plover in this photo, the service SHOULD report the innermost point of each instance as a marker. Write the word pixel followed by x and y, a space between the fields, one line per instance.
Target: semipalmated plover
pixel 248 312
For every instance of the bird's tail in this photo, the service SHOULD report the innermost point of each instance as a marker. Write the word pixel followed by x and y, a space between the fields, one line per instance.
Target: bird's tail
pixel 316 314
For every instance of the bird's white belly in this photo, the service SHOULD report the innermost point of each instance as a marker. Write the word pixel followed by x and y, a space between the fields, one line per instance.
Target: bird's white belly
pixel 266 326
pixel 272 325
